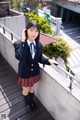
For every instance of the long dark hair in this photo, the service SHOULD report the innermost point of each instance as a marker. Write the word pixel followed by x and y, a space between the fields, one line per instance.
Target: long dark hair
pixel 30 24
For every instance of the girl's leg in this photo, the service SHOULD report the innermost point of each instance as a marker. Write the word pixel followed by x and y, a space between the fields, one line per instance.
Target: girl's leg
pixel 31 95
pixel 32 88
pixel 25 93
pixel 25 90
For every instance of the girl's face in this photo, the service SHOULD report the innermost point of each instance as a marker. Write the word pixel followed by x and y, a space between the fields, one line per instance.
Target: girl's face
pixel 32 33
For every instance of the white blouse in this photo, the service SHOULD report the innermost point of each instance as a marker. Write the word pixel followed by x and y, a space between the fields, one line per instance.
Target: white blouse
pixel 32 47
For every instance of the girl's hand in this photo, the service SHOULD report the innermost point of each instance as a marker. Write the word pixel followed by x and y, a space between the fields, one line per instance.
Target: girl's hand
pixel 23 35
pixel 53 62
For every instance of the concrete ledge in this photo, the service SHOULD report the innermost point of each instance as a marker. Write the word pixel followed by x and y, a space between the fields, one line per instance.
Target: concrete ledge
pixel 52 90
pixel 14 13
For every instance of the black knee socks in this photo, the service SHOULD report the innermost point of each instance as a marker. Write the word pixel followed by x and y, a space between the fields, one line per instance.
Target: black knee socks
pixel 27 103
pixel 31 96
pixel 26 99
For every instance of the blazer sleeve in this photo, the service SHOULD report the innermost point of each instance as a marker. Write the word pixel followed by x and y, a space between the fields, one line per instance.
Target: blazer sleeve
pixel 42 59
pixel 19 50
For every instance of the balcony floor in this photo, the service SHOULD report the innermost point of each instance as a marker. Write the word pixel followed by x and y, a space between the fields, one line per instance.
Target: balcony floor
pixel 11 99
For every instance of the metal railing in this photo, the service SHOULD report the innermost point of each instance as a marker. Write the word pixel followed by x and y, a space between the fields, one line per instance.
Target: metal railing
pixel 60 67
pixel 12 34
pixel 71 77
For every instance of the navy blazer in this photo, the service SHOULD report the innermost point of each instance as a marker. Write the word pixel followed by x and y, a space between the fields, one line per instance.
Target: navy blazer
pixel 27 66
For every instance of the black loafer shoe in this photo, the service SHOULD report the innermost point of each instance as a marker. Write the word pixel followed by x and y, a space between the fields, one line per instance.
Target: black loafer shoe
pixel 29 108
pixel 34 105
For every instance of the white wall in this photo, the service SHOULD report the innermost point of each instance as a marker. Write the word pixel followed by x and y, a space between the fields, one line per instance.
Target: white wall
pixel 52 90
pixel 7 51
pixel 17 28
pixel 53 93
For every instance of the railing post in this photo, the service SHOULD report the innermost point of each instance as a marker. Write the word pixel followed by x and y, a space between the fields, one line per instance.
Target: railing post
pixel 57 22
pixel 3 30
pixel 71 79
pixel 71 83
pixel 43 65
pixel 11 36
pixel 58 25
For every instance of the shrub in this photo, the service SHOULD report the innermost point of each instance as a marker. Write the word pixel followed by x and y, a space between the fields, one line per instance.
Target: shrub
pixel 60 48
pixel 44 26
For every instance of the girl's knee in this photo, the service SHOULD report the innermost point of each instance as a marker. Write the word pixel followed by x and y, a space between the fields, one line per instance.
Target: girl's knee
pixel 25 90
pixel 32 88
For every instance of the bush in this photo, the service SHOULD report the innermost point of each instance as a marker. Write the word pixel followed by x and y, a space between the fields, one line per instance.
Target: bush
pixel 60 48
pixel 44 27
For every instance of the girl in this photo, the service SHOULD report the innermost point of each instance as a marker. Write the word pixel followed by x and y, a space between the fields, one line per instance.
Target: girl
pixel 29 54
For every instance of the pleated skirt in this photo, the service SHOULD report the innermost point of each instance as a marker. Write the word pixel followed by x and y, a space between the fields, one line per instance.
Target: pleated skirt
pixel 28 82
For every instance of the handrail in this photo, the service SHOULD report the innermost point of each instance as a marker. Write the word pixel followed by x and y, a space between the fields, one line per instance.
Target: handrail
pixel 68 73
pixel 12 33
pixel 65 71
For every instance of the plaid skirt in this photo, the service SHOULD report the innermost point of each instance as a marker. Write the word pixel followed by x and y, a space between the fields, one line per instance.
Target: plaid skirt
pixel 28 82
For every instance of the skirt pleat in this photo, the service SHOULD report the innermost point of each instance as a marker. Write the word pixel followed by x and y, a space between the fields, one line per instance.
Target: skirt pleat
pixel 28 82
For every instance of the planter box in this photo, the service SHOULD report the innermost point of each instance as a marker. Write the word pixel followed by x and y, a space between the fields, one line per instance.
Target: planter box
pixel 46 39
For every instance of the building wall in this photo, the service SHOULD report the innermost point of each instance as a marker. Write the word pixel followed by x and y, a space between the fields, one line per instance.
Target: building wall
pixel 69 5
pixel 17 28
pixel 66 11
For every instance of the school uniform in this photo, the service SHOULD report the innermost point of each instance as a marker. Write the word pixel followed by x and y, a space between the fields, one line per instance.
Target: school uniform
pixel 28 67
